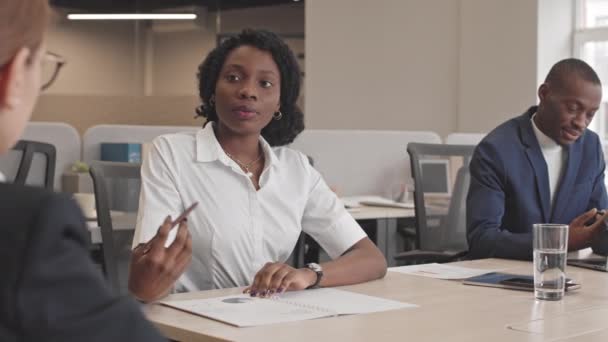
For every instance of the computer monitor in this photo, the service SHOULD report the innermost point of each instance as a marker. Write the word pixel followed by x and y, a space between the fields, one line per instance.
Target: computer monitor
pixel 436 177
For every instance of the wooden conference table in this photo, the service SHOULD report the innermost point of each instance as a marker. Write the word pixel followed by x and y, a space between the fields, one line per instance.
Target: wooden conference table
pixel 448 311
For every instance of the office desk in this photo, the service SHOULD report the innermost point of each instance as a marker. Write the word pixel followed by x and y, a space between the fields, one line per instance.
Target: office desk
pixel 387 237
pixel 449 311
pixel 121 221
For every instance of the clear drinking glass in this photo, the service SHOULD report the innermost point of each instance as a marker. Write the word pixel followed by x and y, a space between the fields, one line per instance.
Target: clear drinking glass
pixel 550 249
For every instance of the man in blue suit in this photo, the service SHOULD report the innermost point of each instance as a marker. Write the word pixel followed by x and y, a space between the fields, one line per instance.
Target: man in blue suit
pixel 544 166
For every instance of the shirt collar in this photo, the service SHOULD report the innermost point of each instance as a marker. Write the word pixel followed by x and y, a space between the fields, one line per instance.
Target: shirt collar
pixel 2 178
pixel 543 140
pixel 208 149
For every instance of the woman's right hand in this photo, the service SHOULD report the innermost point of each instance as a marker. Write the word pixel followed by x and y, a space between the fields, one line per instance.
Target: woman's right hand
pixel 154 268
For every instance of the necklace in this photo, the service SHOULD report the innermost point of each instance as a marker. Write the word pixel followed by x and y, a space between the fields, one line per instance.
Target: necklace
pixel 244 165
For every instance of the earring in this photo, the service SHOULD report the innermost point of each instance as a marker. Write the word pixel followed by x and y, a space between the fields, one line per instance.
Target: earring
pixel 277 116
pixel 212 100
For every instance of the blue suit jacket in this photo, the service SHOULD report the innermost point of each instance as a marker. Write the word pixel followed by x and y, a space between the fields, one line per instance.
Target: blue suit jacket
pixel 509 189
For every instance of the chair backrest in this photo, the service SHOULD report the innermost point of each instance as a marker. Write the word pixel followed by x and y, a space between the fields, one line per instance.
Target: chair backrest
pixel 305 243
pixel 30 163
pixel 455 225
pixel 117 187
pixel 64 137
pixel 441 181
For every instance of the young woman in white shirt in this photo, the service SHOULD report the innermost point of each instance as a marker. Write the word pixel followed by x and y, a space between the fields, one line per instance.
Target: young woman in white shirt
pixel 255 196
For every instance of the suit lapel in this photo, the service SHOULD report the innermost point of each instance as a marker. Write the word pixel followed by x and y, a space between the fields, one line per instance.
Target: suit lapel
pixel 537 161
pixel 568 178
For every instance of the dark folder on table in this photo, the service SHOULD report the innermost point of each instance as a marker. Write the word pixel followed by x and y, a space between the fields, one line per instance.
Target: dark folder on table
pixel 510 281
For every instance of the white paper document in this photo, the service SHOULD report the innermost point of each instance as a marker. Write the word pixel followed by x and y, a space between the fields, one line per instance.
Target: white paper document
pixel 374 201
pixel 243 310
pixel 440 271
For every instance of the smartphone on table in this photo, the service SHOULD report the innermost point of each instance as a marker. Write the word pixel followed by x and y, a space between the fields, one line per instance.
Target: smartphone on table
pixel 527 283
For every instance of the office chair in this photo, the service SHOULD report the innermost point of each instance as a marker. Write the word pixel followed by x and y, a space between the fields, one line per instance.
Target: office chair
pixel 440 203
pixel 307 249
pixel 116 187
pixel 31 170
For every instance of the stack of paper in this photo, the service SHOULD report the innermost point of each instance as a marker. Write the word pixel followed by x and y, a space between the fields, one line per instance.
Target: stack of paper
pixel 440 271
pixel 375 201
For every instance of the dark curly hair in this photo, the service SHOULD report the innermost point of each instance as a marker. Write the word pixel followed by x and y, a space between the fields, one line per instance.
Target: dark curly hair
pixel 277 132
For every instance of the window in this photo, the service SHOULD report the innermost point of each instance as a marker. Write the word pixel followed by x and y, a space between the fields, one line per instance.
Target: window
pixel 591 45
pixel 593 13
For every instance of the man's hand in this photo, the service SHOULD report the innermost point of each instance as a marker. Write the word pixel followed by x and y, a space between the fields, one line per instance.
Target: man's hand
pixel 278 278
pixel 154 268
pixel 580 235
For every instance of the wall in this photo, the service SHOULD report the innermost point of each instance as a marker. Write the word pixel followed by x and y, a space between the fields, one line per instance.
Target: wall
pixel 555 27
pixel 100 57
pixel 497 62
pixel 84 111
pixel 382 64
pixel 177 58
pixel 141 73
pixel 447 66
pixel 178 52
pixel 458 65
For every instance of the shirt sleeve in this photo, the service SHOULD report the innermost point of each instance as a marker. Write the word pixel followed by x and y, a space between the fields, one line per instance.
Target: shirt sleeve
pixel 326 219
pixel 159 196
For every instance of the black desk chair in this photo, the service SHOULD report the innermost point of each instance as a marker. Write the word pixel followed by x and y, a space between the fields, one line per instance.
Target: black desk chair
pixel 440 202
pixel 26 173
pixel 117 187
pixel 307 249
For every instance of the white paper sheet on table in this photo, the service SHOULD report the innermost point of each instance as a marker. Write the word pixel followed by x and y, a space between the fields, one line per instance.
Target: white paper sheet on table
pixel 440 271
pixel 243 310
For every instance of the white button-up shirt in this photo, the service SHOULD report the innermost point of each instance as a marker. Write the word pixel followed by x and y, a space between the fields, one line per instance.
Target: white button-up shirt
pixel 555 157
pixel 236 229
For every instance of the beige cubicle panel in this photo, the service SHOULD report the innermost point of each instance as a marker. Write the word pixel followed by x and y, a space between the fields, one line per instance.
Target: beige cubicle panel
pixel 96 135
pixel 67 144
pixel 362 162
pixel 464 138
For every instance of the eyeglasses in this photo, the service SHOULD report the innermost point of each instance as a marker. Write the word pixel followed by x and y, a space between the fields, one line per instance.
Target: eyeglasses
pixel 51 64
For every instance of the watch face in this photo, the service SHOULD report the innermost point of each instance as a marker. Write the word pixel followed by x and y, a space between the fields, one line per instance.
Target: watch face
pixel 315 267
pixel 319 271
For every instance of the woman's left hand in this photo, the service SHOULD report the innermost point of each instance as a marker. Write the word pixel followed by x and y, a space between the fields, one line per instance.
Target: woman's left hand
pixel 278 277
